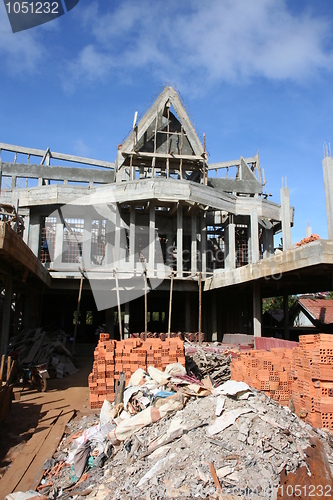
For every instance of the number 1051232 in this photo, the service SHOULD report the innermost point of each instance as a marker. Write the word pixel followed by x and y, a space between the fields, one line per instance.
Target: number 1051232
pixel 32 7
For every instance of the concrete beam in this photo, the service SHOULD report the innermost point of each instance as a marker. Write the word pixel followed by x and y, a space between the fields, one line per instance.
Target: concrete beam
pixel 294 259
pixel 55 173
pixel 232 163
pixel 163 190
pixel 56 156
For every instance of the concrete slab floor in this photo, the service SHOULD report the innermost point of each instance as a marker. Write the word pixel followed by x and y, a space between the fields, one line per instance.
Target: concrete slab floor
pixel 71 392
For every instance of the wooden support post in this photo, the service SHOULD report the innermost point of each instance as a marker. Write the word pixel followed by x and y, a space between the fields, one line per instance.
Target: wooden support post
pixel 170 305
pixel 118 303
pixel 200 304
pixel 77 312
pixel 119 396
pixel 9 365
pixel 2 367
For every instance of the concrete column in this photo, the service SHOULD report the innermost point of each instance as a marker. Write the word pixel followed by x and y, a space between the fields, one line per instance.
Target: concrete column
pixel 151 260
pixel 26 227
pixel 34 233
pixel 8 282
pixel 257 309
pixel 126 320
pixel 268 242
pixel 230 244
pixel 179 240
pixel 86 240
pixel 59 242
pixel 194 242
pixel 214 316
pixel 13 185
pixel 117 238
pixel 203 244
pixel 286 317
pixel 254 242
pixel 285 218
pixel 132 238
pixel 328 184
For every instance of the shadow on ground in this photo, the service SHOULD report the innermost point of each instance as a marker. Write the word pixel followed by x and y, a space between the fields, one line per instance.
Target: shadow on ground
pixel 66 394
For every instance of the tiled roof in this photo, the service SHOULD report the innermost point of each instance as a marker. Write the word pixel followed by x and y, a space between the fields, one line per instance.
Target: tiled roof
pixel 320 309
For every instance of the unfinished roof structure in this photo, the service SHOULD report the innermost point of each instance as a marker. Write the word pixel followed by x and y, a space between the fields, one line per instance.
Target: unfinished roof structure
pixel 160 216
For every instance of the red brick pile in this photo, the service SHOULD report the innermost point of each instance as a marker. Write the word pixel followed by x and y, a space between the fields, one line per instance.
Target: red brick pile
pixel 268 371
pixel 304 241
pixel 312 368
pixel 112 357
pixel 306 372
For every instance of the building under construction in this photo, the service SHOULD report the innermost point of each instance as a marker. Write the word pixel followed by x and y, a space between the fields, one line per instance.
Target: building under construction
pixel 160 219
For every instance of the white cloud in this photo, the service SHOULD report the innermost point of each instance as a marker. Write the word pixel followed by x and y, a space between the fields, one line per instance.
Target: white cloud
pixel 219 40
pixel 81 148
pixel 19 52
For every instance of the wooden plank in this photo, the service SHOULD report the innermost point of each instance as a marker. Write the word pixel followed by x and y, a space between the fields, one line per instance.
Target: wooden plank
pixel 34 473
pixel 22 462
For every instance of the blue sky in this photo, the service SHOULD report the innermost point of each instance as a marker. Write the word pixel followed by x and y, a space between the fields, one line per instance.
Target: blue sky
pixel 255 75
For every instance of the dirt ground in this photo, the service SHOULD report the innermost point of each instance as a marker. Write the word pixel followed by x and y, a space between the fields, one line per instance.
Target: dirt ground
pixel 71 392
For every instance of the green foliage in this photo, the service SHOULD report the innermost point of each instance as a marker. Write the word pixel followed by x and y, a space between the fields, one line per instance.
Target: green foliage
pixel 273 303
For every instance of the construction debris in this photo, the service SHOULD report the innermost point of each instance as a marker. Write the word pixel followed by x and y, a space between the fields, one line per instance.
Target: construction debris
pixel 111 358
pixel 176 457
pixel 36 345
pixel 172 436
pixel 209 364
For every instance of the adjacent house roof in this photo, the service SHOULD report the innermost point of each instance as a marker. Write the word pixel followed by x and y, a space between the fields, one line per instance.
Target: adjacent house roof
pixel 320 310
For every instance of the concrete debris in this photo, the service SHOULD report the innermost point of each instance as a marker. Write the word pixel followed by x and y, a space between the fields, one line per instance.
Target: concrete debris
pixel 36 345
pixel 203 364
pixel 253 442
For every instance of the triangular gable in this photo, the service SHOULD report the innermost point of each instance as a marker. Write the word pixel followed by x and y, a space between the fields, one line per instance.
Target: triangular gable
pixel 143 131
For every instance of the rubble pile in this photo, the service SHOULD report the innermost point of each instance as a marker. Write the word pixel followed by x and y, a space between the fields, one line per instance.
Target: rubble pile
pixel 37 345
pixel 112 357
pixel 268 371
pixel 312 368
pixel 231 440
pixel 203 364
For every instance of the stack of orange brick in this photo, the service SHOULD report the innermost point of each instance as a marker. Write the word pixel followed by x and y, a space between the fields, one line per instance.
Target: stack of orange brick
pixel 312 368
pixel 112 357
pixel 268 371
